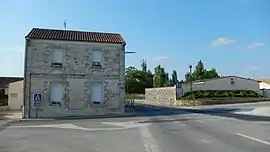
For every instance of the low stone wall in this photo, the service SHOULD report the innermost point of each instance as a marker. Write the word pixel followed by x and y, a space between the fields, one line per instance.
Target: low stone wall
pixel 162 95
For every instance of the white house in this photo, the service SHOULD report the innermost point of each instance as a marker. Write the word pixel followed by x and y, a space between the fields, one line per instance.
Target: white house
pixel 15 95
pixel 224 83
pixel 265 84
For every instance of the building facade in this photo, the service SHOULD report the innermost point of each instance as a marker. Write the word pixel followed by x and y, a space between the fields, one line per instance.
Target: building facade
pixel 15 95
pixel 73 73
pixel 224 83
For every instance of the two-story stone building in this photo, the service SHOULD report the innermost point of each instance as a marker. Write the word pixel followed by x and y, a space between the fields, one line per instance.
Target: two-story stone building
pixel 73 73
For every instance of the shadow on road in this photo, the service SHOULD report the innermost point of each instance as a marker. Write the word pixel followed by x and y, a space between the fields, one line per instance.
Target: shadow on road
pixel 150 110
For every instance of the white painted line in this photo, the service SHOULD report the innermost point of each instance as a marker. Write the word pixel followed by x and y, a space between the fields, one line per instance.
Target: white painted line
pixel 188 117
pixel 153 107
pixel 252 138
pixel 199 121
pixel 148 140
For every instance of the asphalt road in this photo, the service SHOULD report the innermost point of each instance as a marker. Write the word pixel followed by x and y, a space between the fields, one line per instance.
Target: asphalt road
pixel 154 130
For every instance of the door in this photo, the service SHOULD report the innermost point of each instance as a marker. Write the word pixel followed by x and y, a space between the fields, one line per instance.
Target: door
pixel 96 93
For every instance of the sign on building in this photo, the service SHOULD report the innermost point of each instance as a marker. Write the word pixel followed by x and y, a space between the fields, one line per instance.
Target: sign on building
pixel 37 99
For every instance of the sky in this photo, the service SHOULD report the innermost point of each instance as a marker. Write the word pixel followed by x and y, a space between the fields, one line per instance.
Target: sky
pixel 232 36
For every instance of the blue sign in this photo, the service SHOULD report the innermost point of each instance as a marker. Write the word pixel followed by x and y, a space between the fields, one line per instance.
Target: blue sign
pixel 37 98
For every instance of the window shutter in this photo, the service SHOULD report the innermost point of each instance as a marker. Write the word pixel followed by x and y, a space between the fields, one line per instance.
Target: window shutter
pixel 57 56
pixel 56 92
pixel 96 56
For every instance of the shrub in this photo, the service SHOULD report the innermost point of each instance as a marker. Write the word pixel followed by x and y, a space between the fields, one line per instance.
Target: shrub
pixel 218 94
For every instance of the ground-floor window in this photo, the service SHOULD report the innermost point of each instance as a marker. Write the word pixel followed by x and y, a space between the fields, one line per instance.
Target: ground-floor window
pixel 56 93
pixel 96 93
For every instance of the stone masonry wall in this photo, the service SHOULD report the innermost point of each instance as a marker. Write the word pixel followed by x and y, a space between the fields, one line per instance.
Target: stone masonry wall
pixel 77 76
pixel 163 95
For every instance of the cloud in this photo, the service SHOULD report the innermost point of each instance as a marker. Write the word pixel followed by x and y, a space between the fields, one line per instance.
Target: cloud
pixel 253 68
pixel 257 45
pixel 161 58
pixel 222 41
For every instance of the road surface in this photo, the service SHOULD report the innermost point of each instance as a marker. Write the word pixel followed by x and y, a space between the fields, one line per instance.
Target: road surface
pixel 155 130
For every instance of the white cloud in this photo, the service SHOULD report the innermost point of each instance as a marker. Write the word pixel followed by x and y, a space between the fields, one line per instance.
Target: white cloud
pixel 257 45
pixel 222 41
pixel 253 68
pixel 161 58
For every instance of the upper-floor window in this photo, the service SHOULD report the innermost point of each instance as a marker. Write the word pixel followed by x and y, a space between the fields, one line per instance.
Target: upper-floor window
pixel 57 58
pixel 96 59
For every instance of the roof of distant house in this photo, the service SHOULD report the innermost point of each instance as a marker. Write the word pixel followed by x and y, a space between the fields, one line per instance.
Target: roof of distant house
pixel 267 81
pixel 6 80
pixel 232 76
pixel 70 35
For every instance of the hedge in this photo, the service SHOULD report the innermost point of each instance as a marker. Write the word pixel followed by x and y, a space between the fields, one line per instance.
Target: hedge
pixel 227 94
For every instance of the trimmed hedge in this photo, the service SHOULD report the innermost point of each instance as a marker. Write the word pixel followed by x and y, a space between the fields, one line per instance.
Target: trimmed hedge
pixel 226 94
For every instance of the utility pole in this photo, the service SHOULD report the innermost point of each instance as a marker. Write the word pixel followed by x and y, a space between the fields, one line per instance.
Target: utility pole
pixel 190 75
pixel 65 24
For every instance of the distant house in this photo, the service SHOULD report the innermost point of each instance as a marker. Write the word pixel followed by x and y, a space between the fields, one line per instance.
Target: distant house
pixel 224 83
pixel 265 84
pixel 73 73
pixel 15 95
pixel 5 81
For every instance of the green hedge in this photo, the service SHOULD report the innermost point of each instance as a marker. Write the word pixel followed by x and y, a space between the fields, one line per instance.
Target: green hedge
pixel 226 94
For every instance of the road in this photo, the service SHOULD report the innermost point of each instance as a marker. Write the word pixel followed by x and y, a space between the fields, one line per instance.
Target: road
pixel 155 129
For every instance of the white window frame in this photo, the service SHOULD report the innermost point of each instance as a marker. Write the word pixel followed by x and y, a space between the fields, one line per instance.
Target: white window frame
pixel 93 93
pixel 97 58
pixel 53 100
pixel 57 57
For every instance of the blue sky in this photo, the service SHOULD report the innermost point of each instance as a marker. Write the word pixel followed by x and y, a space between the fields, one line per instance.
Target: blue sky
pixel 232 36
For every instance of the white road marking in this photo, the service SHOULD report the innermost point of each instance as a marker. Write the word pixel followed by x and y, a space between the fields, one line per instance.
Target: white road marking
pixel 67 126
pixel 131 124
pixel 148 140
pixel 188 117
pixel 199 121
pixel 205 141
pixel 252 138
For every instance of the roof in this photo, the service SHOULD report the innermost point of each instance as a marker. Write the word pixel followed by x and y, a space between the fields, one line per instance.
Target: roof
pixel 69 35
pixel 223 77
pixel 6 80
pixel 267 81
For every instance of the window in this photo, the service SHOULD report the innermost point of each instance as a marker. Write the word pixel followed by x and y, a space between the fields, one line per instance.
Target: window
pixel 96 59
pixel 56 93
pixel 57 58
pixel 96 93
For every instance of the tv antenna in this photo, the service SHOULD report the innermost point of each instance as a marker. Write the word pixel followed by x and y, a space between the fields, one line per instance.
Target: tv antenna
pixel 65 24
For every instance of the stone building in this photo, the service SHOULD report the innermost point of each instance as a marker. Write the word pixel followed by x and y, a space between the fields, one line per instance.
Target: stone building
pixel 73 73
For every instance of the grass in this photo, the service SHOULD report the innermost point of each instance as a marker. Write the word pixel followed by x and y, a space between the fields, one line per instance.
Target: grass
pixel 134 96
pixel 221 95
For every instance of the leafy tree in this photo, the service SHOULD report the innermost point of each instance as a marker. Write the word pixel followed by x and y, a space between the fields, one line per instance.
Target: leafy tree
pixel 144 66
pixel 174 80
pixel 201 73
pixel 159 77
pixel 135 80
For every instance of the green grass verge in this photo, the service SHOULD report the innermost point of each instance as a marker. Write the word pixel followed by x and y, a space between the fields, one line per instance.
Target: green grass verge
pixel 134 96
pixel 221 95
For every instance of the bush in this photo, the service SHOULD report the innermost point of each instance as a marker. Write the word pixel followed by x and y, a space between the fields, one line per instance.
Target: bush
pixel 218 94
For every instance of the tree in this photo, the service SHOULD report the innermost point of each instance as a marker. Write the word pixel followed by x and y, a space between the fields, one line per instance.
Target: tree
pixel 174 80
pixel 201 73
pixel 135 80
pixel 144 66
pixel 159 77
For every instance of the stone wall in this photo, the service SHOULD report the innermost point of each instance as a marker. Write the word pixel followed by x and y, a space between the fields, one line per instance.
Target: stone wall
pixel 77 75
pixel 163 95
